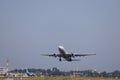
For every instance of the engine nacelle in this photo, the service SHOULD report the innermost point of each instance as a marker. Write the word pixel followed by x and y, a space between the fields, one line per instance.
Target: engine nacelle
pixel 72 55
pixel 55 55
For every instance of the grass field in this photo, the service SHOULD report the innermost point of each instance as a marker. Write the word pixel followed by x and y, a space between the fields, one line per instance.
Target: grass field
pixel 62 78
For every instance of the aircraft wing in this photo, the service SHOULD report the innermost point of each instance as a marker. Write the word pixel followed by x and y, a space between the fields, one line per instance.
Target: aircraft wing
pixel 54 55
pixel 83 54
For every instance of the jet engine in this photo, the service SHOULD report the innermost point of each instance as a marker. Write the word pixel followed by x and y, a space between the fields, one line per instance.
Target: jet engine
pixel 72 55
pixel 55 55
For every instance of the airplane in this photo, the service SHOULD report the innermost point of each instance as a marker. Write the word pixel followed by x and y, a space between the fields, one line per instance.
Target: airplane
pixel 66 56
pixel 30 73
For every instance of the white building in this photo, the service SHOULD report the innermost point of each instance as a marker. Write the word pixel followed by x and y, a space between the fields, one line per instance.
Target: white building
pixel 2 71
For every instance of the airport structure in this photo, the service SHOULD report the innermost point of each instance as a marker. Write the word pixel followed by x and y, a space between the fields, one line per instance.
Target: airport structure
pixel 2 71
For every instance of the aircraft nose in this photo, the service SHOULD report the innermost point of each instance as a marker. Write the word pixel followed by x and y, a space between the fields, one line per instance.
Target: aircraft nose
pixel 61 47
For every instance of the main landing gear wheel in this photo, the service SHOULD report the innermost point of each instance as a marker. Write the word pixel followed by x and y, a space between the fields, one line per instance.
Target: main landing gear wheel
pixel 60 59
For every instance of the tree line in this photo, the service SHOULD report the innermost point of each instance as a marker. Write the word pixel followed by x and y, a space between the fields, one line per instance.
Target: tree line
pixel 56 72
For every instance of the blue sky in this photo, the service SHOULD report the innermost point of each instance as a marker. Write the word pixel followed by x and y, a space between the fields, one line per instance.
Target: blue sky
pixel 31 28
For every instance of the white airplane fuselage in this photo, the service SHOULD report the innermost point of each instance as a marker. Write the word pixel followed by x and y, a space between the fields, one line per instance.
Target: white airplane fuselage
pixel 63 54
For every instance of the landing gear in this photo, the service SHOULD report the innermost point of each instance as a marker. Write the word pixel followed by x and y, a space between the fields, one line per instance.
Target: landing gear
pixel 60 59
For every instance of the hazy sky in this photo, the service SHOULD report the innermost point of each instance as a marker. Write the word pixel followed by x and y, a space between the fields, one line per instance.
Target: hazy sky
pixel 29 28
